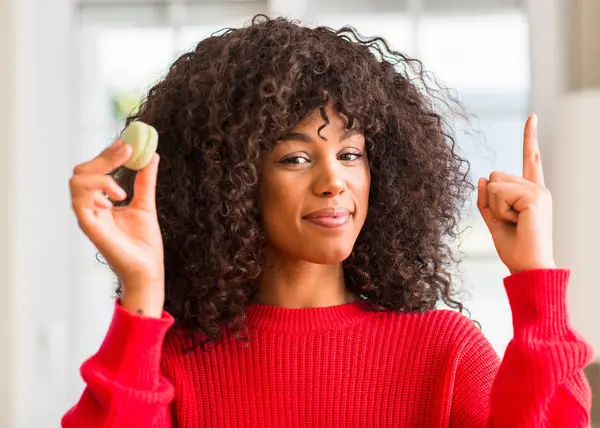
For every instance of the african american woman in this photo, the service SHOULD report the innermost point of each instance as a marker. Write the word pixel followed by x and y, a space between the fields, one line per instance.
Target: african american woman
pixel 284 263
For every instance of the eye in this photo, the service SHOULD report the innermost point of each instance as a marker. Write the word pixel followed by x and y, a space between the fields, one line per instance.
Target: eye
pixel 350 156
pixel 295 160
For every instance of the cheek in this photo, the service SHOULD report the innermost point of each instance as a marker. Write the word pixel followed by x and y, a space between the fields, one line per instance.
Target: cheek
pixel 362 186
pixel 279 201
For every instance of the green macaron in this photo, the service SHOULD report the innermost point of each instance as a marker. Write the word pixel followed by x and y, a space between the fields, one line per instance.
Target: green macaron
pixel 143 138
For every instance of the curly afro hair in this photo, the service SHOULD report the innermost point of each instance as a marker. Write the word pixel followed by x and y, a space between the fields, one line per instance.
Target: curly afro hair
pixel 229 100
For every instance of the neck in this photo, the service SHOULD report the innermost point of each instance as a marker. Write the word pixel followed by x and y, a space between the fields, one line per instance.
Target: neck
pixel 294 283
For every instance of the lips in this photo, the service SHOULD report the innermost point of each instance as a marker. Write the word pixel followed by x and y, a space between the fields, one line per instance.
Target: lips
pixel 329 217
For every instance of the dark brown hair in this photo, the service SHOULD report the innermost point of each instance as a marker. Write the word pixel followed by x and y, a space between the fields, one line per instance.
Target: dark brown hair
pixel 229 100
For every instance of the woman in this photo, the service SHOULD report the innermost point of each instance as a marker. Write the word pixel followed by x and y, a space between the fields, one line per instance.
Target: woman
pixel 298 234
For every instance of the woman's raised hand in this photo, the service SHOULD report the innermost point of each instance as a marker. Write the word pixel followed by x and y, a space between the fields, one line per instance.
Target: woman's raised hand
pixel 128 237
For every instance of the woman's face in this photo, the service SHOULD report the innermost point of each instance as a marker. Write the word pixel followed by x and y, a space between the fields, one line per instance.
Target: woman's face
pixel 314 190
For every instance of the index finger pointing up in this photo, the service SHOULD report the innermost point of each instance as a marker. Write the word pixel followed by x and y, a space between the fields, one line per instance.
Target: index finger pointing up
pixel 532 162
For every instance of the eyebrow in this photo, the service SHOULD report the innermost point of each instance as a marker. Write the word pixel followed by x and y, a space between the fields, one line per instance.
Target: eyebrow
pixel 299 136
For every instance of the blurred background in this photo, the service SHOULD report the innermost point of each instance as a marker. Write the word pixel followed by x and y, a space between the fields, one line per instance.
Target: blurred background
pixel 70 70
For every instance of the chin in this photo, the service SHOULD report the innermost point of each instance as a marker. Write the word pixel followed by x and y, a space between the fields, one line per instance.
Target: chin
pixel 324 255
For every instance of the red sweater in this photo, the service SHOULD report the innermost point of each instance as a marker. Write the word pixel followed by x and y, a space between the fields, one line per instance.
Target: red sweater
pixel 343 366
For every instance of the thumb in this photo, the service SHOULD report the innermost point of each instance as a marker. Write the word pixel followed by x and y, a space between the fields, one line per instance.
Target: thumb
pixel 144 187
pixel 483 203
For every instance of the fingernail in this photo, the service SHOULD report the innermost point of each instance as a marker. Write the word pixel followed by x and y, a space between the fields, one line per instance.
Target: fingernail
pixel 534 119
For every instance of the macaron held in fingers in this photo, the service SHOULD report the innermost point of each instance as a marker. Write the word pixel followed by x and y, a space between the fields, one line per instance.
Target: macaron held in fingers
pixel 143 139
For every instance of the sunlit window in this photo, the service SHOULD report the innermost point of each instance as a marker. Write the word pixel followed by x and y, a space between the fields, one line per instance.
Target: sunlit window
pixel 484 56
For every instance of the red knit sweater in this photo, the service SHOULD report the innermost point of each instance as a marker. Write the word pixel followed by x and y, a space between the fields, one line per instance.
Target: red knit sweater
pixel 343 366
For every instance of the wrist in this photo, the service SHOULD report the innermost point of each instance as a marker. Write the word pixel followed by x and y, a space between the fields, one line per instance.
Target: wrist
pixel 147 302
pixel 538 266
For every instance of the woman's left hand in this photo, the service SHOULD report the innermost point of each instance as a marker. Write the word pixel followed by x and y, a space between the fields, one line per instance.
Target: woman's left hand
pixel 518 210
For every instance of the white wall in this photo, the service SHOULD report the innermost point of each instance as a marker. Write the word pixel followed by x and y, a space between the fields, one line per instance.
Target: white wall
pixel 35 218
pixel 6 215
pixel 570 148
pixel 577 133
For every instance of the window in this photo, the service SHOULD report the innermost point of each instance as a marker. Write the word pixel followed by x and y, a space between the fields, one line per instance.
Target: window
pixel 482 53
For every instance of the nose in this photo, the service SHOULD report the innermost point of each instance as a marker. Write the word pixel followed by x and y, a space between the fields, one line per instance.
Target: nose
pixel 329 181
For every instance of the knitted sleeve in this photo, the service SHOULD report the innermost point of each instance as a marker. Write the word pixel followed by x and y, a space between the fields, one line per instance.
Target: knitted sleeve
pixel 540 381
pixel 124 386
